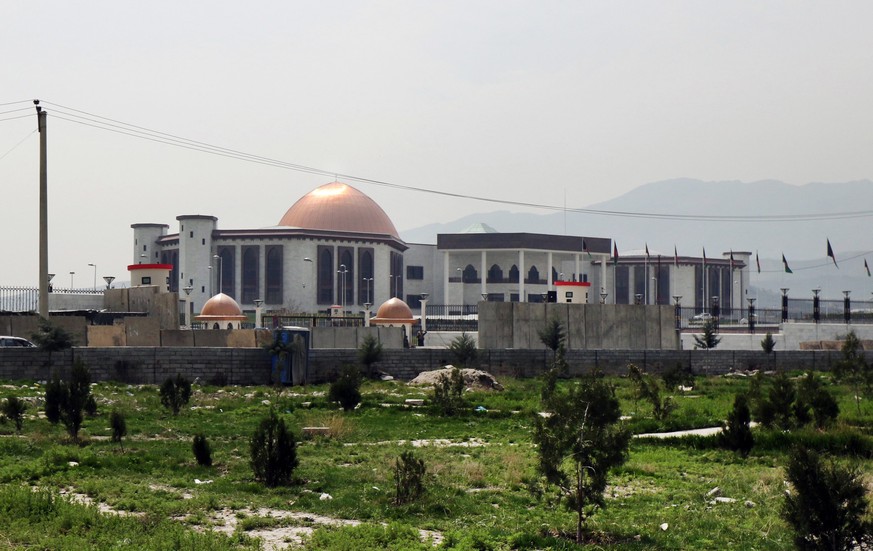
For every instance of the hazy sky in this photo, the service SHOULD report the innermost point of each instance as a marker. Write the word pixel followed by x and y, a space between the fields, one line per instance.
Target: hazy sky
pixel 525 101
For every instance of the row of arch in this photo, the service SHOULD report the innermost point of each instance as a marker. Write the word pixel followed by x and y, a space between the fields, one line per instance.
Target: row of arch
pixel 495 275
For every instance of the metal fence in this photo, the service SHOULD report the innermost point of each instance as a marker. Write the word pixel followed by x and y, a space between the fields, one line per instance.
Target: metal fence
pixel 26 299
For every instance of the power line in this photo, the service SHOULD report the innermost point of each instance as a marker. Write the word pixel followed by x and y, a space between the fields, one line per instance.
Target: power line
pixel 15 102
pixel 14 118
pixel 112 125
pixel 19 143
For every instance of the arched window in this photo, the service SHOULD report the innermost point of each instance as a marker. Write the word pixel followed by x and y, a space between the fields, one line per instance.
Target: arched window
pixel 345 277
pixel 495 274
pixel 533 275
pixel 250 274
pixel 513 274
pixel 275 272
pixel 470 275
pixel 365 263
pixel 216 326
pixel 225 282
pixel 230 326
pixel 325 276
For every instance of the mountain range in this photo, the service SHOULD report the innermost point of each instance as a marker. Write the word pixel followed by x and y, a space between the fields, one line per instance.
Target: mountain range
pixel 832 211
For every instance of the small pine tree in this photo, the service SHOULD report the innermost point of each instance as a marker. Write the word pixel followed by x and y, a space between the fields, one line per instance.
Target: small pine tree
pixel 813 395
pixel 202 450
pixel 708 340
pixel 768 344
pixel 827 508
pixel 369 354
pixel 853 369
pixel 273 451
pixel 409 472
pixel 175 393
pixel 464 350
pixel 647 388
pixel 65 401
pixel 679 374
pixel 448 393
pixel 118 426
pixel 553 334
pixel 346 389
pixel 91 406
pixel 13 408
pixel 737 433
pixel 51 338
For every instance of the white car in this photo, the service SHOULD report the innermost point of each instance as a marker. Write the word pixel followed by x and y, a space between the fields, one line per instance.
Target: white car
pixel 15 342
pixel 701 318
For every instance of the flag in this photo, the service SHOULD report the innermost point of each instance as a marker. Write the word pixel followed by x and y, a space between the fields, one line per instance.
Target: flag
pixel 866 267
pixel 831 253
pixel 585 248
pixel 785 263
pixel 675 257
pixel 614 252
pixel 647 251
pixel 758 261
pixel 704 256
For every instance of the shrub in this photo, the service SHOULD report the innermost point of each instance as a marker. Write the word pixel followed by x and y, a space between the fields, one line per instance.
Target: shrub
pixel 409 472
pixel 768 344
pixel 827 507
pixel 202 451
pixel 647 388
pixel 346 389
pixel 553 335
pixel 813 395
pixel 853 369
pixel 273 451
pixel 370 353
pixel 175 393
pixel 737 433
pixel 677 375
pixel 91 406
pixel 65 401
pixel 54 396
pixel 709 339
pixel 51 338
pixel 118 426
pixel 13 408
pixel 464 350
pixel 448 393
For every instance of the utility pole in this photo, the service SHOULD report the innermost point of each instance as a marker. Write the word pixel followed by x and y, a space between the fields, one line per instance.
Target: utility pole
pixel 43 213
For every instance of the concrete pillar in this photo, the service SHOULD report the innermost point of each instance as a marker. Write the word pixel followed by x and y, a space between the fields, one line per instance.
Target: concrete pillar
pixel 550 283
pixel 484 272
pixel 446 295
pixel 521 271
pixel 578 273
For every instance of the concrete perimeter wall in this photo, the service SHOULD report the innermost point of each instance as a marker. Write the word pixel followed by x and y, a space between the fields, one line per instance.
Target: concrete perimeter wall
pixel 588 326
pixel 249 366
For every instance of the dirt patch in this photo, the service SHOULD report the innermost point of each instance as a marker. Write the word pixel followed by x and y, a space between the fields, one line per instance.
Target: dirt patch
pixel 474 379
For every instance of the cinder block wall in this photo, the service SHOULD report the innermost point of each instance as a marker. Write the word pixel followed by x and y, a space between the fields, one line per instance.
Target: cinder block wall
pixel 251 366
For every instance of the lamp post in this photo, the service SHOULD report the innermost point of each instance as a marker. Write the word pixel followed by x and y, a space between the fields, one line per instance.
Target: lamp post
pixel 367 306
pixel 424 297
pixel 784 303
pixel 187 290
pixel 258 302
pixel 461 280
pixel 50 278
pixel 71 280
pixel 343 271
pixel 220 272
pixel 603 296
pixel 677 311
pixel 847 311
pixel 368 281
pixel 816 305
pixel 108 280
pixel 211 293
pixel 751 314
pixel 655 288
pixel 95 275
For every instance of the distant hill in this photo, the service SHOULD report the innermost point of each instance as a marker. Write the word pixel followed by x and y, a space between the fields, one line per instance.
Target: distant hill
pixel 802 242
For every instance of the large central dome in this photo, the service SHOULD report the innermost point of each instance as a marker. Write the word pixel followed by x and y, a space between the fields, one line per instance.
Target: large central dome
pixel 339 207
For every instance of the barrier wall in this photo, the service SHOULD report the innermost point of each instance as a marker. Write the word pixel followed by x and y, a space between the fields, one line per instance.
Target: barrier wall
pixel 247 366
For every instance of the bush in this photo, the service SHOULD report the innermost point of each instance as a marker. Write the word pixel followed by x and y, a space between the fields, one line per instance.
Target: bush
pixel 677 375
pixel 464 350
pixel 827 507
pixel 448 393
pixel 853 369
pixel 370 353
pixel 54 396
pixel 737 433
pixel 202 451
pixel 90 406
pixel 175 393
pixel 647 388
pixel 273 451
pixel 118 426
pixel 346 389
pixel 409 474
pixel 51 338
pixel 66 402
pixel 768 344
pixel 813 395
pixel 709 339
pixel 13 408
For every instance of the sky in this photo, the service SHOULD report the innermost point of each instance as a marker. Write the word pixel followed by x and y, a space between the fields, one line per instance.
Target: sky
pixel 549 102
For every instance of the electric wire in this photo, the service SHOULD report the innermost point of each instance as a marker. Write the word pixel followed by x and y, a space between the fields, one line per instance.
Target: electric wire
pixel 97 121
pixel 31 133
pixel 15 118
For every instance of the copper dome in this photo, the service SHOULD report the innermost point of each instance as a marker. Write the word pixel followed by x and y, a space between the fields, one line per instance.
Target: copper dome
pixel 340 207
pixel 222 307
pixel 394 310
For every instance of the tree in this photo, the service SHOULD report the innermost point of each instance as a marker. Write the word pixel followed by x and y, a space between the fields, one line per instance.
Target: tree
pixel 737 432
pixel 579 439
pixel 118 426
pixel 409 474
pixel 853 369
pixel 369 353
pixel 448 392
pixel 175 393
pixel 827 507
pixel 464 350
pixel 768 344
pixel 647 388
pixel 554 337
pixel 709 339
pixel 813 395
pixel 346 389
pixel 54 396
pixel 51 338
pixel 65 402
pixel 13 408
pixel 273 451
pixel 202 450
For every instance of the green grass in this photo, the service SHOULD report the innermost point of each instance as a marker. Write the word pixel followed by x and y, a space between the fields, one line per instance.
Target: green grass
pixel 478 495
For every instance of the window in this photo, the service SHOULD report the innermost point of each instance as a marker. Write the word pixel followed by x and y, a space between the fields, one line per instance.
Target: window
pixel 191 235
pixel 533 276
pixel 325 275
pixel 251 288
pixel 513 275
pixel 495 274
pixel 365 269
pixel 146 280
pixel 470 275
pixel 274 275
pixel 413 301
pixel 415 272
pixel 345 276
pixel 496 297
pixel 203 241
pixel 226 280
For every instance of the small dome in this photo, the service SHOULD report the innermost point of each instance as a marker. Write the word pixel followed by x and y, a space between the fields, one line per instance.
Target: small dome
pixel 221 306
pixel 339 207
pixel 394 309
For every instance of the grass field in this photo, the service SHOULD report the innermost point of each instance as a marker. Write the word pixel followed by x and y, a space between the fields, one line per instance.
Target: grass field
pixel 56 494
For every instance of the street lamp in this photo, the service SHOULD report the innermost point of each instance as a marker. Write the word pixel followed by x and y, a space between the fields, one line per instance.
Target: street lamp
pixel 461 280
pixel 343 270
pixel 95 275
pixel 367 306
pixel 368 281
pixel 71 280
pixel 187 290
pixel 603 296
pixel 847 312
pixel 220 271
pixel 258 302
pixel 677 311
pixel 816 305
pixel 108 280
pixel 784 303
pixel 211 294
pixel 424 297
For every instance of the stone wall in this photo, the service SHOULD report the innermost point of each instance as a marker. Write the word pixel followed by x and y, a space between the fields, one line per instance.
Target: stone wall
pixel 151 365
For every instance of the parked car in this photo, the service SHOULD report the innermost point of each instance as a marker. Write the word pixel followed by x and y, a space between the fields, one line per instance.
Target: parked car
pixel 701 318
pixel 15 342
